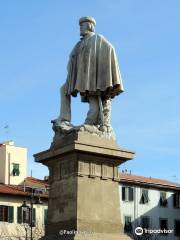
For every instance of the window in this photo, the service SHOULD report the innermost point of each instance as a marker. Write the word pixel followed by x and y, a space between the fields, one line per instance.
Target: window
pixel 15 171
pixel 144 196
pixel 6 213
pixel 145 222
pixel 176 199
pixel 127 224
pixel 163 224
pixel 45 216
pixel 163 199
pixel 127 193
pixel 177 227
pixel 24 216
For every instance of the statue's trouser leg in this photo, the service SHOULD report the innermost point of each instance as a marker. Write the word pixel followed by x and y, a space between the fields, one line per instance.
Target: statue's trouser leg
pixel 65 109
pixel 93 113
pixel 107 112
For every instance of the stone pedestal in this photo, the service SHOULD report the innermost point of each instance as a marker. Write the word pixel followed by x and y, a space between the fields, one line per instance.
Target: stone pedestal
pixel 84 193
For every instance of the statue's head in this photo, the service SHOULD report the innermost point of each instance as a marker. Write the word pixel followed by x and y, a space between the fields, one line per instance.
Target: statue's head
pixel 87 25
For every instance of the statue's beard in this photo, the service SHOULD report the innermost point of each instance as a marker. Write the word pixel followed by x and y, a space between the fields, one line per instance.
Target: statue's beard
pixel 85 33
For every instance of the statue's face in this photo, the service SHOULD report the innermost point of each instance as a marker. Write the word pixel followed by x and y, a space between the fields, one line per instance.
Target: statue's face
pixel 84 28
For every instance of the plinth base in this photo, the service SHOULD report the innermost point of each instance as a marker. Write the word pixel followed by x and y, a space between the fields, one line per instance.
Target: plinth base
pixel 84 188
pixel 100 236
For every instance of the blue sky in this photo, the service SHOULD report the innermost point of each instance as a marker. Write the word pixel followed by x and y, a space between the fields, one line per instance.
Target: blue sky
pixel 36 38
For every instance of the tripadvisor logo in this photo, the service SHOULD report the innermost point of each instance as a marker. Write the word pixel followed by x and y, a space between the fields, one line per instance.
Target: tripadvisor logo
pixel 139 231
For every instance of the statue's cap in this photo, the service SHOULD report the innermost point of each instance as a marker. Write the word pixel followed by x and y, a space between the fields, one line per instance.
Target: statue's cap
pixel 87 19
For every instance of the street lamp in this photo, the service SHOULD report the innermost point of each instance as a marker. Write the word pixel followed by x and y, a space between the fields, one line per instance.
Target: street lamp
pixel 30 210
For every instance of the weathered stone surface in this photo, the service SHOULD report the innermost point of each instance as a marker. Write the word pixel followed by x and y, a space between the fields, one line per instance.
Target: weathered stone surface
pixel 84 193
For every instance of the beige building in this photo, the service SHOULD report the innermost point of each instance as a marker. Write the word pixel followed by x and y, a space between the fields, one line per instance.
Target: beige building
pixel 14 219
pixel 13 163
pixel 15 189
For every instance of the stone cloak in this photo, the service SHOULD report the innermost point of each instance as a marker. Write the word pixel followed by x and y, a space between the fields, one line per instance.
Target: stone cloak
pixel 93 69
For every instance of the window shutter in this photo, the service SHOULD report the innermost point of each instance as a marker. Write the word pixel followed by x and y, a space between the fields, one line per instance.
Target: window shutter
pixel 163 224
pixel 142 200
pixel 163 199
pixel 127 224
pixel 131 197
pixel 19 215
pixel 145 222
pixel 33 217
pixel 4 211
pixel 163 196
pixel 123 193
pixel 10 214
pixel 177 227
pixel 45 216
pixel 145 194
pixel 15 171
pixel 175 199
pixel 1 212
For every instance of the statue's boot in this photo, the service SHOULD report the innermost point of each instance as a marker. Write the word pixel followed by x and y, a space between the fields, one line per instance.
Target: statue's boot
pixel 62 124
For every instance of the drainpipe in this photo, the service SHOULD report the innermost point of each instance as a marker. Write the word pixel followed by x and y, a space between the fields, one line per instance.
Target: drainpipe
pixel 9 168
pixel 24 185
pixel 135 205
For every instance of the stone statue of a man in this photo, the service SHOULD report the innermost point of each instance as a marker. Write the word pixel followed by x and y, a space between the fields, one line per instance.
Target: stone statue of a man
pixel 94 73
